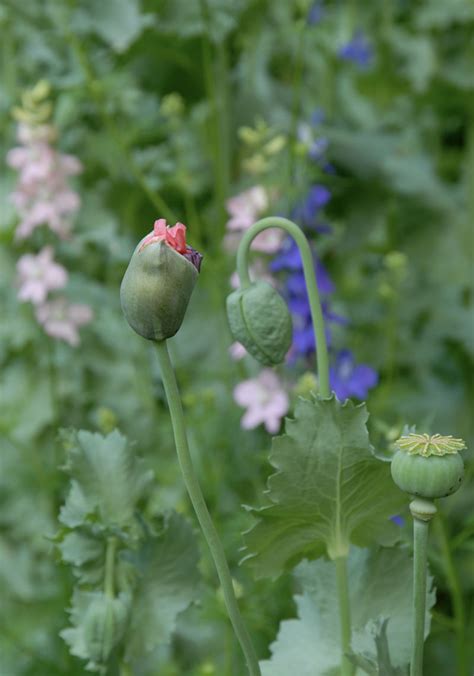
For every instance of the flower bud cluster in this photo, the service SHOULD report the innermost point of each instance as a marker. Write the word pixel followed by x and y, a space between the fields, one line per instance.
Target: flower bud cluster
pixel 42 196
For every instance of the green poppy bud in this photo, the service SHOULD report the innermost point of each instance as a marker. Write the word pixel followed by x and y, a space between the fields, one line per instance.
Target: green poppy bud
pixel 159 281
pixel 428 466
pixel 104 625
pixel 259 319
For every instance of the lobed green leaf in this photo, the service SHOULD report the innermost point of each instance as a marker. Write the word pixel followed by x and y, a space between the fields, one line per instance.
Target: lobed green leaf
pixel 329 489
pixel 380 584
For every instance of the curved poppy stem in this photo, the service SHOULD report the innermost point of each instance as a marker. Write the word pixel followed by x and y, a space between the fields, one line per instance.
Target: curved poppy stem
pixel 200 507
pixel 311 285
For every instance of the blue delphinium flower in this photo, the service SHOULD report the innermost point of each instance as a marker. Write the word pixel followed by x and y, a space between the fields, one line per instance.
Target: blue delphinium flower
pixel 315 13
pixel 289 259
pixel 358 51
pixel 398 520
pixel 348 379
pixel 307 212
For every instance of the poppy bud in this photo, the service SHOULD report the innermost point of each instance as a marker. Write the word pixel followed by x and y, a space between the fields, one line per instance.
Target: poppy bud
pixel 260 321
pixel 104 625
pixel 159 281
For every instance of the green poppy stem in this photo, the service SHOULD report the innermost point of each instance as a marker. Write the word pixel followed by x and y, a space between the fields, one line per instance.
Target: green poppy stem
pixel 342 583
pixel 310 279
pixel 200 508
pixel 422 512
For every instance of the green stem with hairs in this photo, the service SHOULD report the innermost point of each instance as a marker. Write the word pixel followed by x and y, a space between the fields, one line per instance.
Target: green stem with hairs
pixel 422 512
pixel 347 669
pixel 243 252
pixel 109 578
pixel 200 508
pixel 310 279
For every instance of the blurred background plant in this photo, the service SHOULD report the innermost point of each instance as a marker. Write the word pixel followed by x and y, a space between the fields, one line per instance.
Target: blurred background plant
pixel 356 120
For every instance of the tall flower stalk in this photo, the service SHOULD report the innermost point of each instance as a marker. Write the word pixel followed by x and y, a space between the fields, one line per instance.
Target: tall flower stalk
pixel 340 560
pixel 426 467
pixel 155 293
pixel 200 508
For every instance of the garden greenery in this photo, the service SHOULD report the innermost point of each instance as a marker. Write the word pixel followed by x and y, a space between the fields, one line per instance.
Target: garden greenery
pixel 321 156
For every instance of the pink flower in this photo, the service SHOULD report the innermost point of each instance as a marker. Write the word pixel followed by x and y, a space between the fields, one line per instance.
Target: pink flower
pixel 42 195
pixel 237 351
pixel 38 275
pixel 257 270
pixel 244 209
pixel 265 400
pixel 61 319
pixel 174 237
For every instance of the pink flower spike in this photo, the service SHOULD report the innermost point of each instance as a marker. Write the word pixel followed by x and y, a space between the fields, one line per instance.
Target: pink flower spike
pixel 42 195
pixel 38 275
pixel 245 208
pixel 265 400
pixel 61 320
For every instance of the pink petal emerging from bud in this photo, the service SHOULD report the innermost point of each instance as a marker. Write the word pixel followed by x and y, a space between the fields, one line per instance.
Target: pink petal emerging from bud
pixel 175 238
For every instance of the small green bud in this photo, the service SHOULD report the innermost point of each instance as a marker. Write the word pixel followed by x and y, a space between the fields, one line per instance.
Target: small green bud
pixel 159 281
pixel 104 626
pixel 259 319
pixel 428 466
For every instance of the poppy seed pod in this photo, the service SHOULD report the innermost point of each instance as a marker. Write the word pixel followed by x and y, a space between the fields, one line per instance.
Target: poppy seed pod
pixel 159 281
pixel 428 466
pixel 259 319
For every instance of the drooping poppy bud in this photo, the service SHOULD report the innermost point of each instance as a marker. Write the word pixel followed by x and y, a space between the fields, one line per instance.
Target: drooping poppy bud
pixel 159 281
pixel 259 319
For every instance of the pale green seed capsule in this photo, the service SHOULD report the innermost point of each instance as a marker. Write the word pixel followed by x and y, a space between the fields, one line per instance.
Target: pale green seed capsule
pixel 259 319
pixel 428 466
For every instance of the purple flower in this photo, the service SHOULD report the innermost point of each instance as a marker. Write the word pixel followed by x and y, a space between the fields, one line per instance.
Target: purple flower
pixel 318 148
pixel 333 316
pixel 358 51
pixel 265 400
pixel 316 13
pixel 38 275
pixel 397 520
pixel 318 197
pixel 308 210
pixel 348 379
pixel 303 339
pixel 288 258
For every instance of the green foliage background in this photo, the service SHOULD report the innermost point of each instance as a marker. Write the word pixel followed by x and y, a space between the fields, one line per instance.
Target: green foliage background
pixel 401 136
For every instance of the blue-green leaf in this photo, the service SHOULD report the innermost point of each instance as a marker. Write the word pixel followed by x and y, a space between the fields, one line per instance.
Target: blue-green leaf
pixel 380 583
pixel 108 479
pixel 329 489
